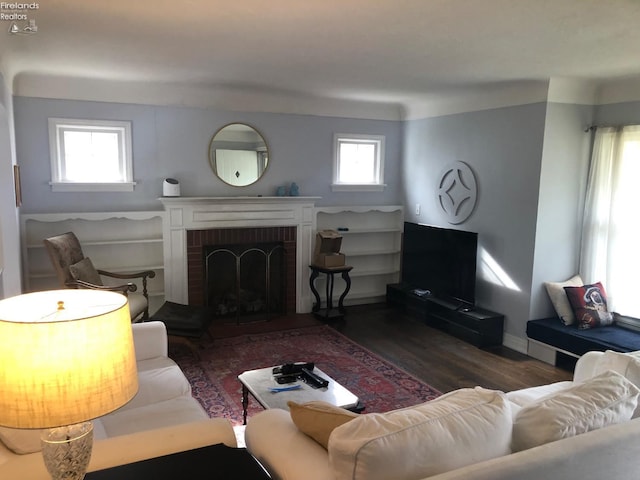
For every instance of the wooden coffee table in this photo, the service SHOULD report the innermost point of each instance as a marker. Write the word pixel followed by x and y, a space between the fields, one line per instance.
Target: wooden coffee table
pixel 259 382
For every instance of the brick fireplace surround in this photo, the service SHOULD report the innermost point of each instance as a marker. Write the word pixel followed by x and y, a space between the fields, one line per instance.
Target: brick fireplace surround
pixel 191 222
pixel 197 240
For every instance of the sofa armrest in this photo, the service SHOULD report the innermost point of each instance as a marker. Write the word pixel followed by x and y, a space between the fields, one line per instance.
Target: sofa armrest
pixel 286 452
pixel 609 453
pixel 586 366
pixel 123 449
pixel 150 340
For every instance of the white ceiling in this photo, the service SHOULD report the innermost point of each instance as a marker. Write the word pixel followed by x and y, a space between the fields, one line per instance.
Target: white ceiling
pixel 387 51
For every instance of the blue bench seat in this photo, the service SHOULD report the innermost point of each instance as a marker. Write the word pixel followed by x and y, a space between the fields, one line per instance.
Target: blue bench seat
pixel 568 339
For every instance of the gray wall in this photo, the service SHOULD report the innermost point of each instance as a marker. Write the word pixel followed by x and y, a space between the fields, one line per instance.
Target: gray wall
pixel 618 114
pixel 173 142
pixel 530 164
pixel 504 149
pixel 563 178
pixel 10 279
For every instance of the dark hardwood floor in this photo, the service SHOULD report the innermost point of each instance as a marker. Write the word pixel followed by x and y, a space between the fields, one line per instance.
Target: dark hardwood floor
pixel 444 362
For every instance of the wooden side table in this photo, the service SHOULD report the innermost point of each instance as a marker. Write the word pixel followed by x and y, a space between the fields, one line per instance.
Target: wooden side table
pixel 329 312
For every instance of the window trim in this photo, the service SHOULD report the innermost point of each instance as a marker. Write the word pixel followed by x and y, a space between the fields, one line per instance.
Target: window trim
pixel 57 127
pixel 377 186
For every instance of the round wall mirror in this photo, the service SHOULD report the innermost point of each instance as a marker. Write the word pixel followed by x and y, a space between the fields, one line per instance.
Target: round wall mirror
pixel 238 154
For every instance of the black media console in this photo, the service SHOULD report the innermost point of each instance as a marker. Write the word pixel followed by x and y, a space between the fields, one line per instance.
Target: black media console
pixel 477 326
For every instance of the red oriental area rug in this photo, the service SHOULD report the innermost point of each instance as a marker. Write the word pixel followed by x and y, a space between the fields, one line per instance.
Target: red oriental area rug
pixel 380 385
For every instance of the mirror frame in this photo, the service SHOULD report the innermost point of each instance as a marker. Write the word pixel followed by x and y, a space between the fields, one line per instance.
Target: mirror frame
pixel 212 154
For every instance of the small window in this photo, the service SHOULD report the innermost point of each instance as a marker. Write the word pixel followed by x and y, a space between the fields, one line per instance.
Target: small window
pixel 90 155
pixel 358 163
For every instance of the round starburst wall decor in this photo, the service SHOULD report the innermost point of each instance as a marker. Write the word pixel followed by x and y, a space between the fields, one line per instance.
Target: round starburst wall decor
pixel 457 192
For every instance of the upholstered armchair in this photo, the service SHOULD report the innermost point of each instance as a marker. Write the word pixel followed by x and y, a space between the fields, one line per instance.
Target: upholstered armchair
pixel 74 270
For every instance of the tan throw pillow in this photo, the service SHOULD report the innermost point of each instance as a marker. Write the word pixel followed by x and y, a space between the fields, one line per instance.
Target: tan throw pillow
pixel 604 400
pixel 318 419
pixel 559 299
pixel 85 271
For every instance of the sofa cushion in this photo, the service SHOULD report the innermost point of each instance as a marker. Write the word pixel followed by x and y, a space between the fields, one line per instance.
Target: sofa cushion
pixel 604 400
pixel 155 415
pixel 85 271
pixel 27 440
pixel 589 305
pixel 318 419
pixel 559 299
pixel 459 428
pixel 21 441
pixel 626 364
pixel 159 379
pixel 526 396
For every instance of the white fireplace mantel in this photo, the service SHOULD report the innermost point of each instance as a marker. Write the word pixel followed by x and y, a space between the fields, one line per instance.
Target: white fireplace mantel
pixel 202 213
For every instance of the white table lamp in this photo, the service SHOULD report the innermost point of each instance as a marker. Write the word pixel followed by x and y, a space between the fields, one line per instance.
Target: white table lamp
pixel 66 357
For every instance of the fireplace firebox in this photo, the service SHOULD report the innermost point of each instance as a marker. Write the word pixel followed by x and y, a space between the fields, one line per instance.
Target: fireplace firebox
pixel 245 282
pixel 243 274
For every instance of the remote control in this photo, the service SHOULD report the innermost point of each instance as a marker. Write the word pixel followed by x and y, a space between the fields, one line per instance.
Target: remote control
pixel 314 379
pixel 292 368
pixel 286 378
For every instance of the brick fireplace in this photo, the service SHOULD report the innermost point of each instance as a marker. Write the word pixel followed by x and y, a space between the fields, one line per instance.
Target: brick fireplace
pixel 198 241
pixel 190 223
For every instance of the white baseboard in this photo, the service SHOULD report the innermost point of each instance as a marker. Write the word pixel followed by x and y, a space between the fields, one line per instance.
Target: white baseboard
pixel 540 351
pixel 515 343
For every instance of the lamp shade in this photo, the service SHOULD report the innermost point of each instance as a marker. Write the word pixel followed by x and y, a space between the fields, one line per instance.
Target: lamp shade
pixel 66 356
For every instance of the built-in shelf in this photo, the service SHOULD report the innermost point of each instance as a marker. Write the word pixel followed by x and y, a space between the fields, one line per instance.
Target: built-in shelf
pixel 372 245
pixel 359 231
pixel 362 253
pixel 144 241
pixel 121 242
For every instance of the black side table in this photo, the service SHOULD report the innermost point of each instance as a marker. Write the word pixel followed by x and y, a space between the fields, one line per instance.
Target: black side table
pixel 329 313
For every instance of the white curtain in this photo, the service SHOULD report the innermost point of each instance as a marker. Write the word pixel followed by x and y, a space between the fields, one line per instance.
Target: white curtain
pixel 611 229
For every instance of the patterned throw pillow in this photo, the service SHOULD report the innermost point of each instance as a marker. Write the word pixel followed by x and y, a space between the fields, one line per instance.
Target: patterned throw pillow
pixel 85 271
pixel 589 304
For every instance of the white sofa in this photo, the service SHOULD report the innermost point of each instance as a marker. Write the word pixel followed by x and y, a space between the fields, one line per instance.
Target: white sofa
pixel 162 418
pixel 609 452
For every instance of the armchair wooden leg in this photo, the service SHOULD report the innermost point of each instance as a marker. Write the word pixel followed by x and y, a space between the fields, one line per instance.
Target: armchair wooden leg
pixel 145 293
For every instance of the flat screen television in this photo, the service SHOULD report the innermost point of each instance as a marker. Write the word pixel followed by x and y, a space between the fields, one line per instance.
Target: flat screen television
pixel 441 260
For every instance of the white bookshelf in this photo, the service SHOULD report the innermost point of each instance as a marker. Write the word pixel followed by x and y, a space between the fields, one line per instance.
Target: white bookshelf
pixel 121 242
pixel 372 245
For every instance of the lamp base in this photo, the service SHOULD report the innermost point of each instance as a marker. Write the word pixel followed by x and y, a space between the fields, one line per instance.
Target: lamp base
pixel 67 450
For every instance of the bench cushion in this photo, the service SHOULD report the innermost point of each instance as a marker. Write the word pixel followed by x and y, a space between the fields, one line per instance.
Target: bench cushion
pixel 551 331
